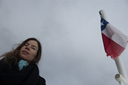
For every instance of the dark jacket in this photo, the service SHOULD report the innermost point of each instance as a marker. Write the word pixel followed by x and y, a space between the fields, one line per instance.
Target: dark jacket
pixel 11 75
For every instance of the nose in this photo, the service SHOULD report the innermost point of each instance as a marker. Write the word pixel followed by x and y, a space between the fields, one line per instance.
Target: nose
pixel 27 47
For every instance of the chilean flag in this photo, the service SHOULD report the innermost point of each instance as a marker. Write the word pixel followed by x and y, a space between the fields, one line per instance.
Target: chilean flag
pixel 114 40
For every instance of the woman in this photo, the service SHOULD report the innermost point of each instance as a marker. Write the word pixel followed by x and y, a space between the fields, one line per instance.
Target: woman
pixel 19 65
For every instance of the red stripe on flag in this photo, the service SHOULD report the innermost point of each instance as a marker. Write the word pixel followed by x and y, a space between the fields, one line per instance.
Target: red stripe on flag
pixel 112 48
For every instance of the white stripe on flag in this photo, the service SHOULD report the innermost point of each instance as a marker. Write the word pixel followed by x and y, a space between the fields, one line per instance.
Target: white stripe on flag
pixel 114 34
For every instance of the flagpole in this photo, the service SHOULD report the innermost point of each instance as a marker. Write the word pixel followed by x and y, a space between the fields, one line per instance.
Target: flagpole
pixel 121 79
pixel 103 15
pixel 120 67
pixel 118 61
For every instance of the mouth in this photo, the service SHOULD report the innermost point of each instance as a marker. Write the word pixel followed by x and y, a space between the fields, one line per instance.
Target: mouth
pixel 25 52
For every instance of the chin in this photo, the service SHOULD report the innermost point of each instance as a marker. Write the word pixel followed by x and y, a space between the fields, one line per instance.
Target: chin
pixel 24 57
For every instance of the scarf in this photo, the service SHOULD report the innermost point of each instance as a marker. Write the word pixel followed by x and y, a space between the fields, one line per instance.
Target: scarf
pixel 29 75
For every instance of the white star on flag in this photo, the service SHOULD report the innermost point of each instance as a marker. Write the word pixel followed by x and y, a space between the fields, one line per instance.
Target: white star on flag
pixel 102 23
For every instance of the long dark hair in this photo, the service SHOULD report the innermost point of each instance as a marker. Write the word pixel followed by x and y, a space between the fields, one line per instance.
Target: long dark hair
pixel 14 54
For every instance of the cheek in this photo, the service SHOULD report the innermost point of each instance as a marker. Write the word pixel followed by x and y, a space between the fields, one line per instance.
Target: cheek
pixel 34 54
pixel 20 52
pixel 22 48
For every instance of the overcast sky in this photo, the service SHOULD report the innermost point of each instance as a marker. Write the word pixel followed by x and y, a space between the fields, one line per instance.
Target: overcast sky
pixel 69 30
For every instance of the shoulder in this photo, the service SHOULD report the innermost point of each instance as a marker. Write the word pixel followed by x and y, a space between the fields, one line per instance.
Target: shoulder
pixel 42 81
pixel 2 63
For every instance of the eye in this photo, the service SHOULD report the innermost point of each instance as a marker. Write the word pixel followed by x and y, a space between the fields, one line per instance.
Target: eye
pixel 26 44
pixel 33 47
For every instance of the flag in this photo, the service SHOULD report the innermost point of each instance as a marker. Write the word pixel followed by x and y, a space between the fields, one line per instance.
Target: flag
pixel 114 40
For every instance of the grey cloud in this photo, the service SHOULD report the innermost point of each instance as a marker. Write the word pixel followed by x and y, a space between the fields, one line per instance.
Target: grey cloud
pixel 69 31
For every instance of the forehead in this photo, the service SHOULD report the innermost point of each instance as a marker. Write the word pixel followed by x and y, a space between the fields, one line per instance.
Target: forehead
pixel 33 42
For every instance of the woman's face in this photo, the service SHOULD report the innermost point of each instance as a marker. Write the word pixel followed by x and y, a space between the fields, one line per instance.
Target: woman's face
pixel 29 51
